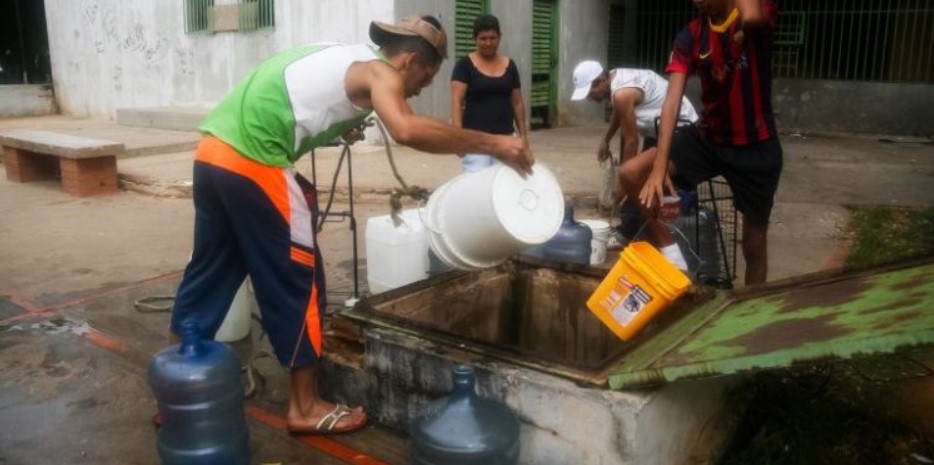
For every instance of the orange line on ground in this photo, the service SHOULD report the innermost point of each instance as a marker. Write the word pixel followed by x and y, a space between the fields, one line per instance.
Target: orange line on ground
pixel 87 297
pixel 29 305
pixel 26 317
pixel 102 340
pixel 326 445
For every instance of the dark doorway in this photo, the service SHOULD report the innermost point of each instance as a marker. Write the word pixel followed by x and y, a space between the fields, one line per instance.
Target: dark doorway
pixel 24 43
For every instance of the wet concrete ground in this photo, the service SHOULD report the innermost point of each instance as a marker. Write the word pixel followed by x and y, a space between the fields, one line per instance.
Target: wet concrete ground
pixel 73 351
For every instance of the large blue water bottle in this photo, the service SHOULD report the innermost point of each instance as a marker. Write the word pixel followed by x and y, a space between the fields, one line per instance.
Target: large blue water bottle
pixel 464 429
pixel 571 244
pixel 197 386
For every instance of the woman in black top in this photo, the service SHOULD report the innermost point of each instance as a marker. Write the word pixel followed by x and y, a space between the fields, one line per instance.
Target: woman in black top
pixel 485 91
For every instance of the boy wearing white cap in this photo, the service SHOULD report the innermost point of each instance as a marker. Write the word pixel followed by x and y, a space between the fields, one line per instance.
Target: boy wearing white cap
pixel 636 96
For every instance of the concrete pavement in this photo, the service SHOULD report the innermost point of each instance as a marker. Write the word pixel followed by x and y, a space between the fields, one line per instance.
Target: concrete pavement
pixel 146 230
pixel 71 267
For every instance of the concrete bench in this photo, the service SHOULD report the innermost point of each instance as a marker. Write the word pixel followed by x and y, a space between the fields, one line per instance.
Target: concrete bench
pixel 86 166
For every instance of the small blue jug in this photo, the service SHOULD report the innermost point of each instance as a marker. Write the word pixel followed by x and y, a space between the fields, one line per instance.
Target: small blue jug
pixel 464 429
pixel 197 386
pixel 572 242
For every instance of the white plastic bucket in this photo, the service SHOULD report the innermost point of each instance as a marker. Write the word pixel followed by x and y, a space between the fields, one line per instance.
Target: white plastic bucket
pixel 237 323
pixel 396 255
pixel 601 234
pixel 478 220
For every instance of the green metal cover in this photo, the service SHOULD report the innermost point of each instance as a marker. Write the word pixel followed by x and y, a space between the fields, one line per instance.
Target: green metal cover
pixel 799 321
pixel 465 12
pixel 543 53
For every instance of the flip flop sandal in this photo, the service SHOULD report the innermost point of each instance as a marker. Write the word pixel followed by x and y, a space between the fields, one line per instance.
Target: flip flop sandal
pixel 327 424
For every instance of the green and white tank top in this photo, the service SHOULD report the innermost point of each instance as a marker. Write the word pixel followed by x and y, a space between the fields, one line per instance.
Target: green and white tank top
pixel 293 102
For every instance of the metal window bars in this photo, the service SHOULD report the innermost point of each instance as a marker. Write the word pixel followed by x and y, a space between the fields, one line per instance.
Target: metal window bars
pixel 848 40
pixel 196 15
pixel 251 15
pixel 257 14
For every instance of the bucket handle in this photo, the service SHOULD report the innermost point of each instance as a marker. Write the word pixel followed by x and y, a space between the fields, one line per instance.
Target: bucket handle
pixel 422 216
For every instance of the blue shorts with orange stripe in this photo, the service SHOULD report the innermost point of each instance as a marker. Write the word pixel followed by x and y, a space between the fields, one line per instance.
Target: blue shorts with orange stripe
pixel 256 220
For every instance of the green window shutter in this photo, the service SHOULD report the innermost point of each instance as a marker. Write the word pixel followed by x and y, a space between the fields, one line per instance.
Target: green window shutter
pixel 465 12
pixel 196 15
pixel 544 54
pixel 256 14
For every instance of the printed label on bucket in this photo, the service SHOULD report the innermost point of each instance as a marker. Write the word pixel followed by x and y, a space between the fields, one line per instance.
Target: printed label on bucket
pixel 625 301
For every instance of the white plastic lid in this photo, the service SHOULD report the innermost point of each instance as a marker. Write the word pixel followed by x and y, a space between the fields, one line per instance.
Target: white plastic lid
pixel 530 209
pixel 596 225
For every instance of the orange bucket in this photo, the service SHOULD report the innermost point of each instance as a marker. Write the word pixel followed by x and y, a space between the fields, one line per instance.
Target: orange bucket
pixel 639 285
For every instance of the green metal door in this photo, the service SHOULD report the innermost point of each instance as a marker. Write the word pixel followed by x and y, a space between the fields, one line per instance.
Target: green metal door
pixel 544 62
pixel 806 320
pixel 465 12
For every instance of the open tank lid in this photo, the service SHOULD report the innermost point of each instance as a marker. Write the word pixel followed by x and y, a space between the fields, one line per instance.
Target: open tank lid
pixel 805 320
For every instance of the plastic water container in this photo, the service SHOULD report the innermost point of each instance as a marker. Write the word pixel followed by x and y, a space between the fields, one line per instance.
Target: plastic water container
pixel 601 234
pixel 197 386
pixel 631 220
pixel 396 255
pixel 640 284
pixel 237 322
pixel 465 429
pixel 697 232
pixel 571 244
pixel 478 220
pixel 670 208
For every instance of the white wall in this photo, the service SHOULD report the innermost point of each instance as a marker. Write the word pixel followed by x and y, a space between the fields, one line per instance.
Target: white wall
pixel 109 54
pixel 19 100
pixel 583 35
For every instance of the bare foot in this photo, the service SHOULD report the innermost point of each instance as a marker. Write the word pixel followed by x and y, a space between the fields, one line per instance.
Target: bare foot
pixel 326 418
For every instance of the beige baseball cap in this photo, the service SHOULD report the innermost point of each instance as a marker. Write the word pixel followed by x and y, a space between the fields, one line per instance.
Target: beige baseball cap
pixel 412 25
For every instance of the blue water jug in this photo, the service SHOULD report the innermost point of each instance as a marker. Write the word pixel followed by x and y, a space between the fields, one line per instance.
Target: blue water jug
pixel 464 429
pixel 572 242
pixel 698 236
pixel 197 386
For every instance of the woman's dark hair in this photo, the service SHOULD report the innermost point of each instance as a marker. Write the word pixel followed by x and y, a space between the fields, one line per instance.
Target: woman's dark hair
pixel 425 51
pixel 485 23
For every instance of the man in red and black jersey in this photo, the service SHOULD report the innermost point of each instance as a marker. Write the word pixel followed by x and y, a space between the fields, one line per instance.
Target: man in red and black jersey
pixel 729 46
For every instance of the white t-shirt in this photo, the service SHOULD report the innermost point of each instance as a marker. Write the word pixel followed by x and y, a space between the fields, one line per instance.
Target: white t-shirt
pixel 654 88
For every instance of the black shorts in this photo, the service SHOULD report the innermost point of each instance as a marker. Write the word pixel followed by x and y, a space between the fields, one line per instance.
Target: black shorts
pixel 751 170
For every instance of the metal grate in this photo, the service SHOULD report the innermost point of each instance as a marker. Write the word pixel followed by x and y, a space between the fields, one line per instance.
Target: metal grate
pixel 257 14
pixel 706 232
pixel 849 40
pixel 616 51
pixel 715 197
pixel 196 15
pixel 465 12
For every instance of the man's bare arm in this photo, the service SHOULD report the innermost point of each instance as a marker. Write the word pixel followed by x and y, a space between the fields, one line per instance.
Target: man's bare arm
pixel 751 14
pixel 658 180
pixel 624 103
pixel 433 135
